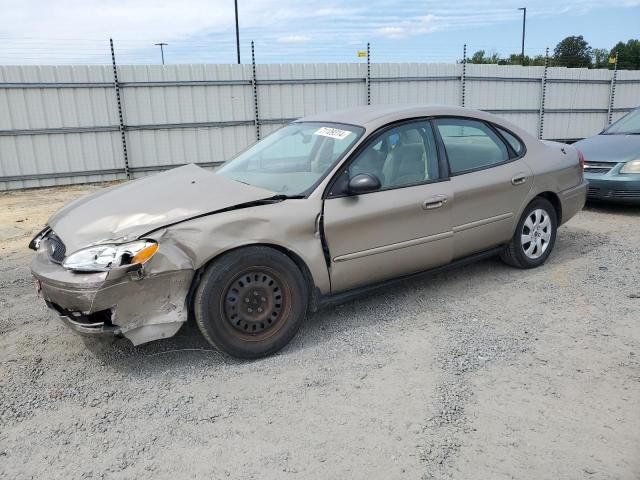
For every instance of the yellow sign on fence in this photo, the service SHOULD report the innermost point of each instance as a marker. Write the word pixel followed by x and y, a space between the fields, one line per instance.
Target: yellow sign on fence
pixel 612 59
pixel 362 54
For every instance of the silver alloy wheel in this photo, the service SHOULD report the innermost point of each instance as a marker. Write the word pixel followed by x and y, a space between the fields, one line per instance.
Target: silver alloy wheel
pixel 536 234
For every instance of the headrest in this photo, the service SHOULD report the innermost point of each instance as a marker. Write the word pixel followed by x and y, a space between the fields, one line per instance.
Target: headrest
pixel 410 137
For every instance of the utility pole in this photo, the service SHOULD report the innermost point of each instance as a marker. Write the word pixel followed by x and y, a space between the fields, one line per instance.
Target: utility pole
pixel 237 32
pixel 161 45
pixel 524 22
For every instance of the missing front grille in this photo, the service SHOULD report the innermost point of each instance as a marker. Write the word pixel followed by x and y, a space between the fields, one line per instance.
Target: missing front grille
pixel 56 250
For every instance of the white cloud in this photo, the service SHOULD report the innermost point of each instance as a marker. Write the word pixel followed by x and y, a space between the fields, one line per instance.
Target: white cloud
pixel 337 12
pixel 59 31
pixel 294 39
pixel 100 18
pixel 416 26
pixel 392 32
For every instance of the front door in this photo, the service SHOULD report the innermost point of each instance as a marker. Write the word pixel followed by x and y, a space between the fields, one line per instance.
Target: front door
pixel 402 228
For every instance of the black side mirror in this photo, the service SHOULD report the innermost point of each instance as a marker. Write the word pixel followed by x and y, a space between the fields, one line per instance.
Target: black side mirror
pixel 363 183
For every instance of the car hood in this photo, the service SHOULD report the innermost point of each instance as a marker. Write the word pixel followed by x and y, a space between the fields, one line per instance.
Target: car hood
pixel 126 211
pixel 610 148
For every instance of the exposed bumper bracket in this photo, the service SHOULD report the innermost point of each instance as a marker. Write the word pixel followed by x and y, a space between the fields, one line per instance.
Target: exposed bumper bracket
pixel 100 328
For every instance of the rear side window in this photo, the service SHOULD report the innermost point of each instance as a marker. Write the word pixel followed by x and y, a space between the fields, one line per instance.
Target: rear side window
pixel 470 144
pixel 513 141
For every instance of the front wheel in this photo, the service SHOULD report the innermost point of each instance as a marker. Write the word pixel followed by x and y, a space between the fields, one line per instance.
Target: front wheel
pixel 534 237
pixel 251 302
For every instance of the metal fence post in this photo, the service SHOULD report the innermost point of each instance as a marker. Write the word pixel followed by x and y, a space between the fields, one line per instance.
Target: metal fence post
pixel 123 137
pixel 543 94
pixel 612 91
pixel 254 82
pixel 368 73
pixel 463 85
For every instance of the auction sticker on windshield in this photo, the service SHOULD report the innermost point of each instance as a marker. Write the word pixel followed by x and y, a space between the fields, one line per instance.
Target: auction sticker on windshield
pixel 332 133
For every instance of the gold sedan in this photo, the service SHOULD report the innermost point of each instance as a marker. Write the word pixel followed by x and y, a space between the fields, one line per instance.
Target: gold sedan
pixel 321 210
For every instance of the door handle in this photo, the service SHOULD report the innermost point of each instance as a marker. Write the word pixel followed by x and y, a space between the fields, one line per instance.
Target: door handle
pixel 434 202
pixel 519 179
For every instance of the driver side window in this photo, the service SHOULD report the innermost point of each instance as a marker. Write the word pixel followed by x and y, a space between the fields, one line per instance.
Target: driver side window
pixel 401 156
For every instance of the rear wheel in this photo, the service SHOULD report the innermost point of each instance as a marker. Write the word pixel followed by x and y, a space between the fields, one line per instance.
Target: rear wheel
pixel 534 237
pixel 251 302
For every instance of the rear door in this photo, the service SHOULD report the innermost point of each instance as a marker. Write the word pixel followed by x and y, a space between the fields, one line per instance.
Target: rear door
pixel 402 228
pixel 490 181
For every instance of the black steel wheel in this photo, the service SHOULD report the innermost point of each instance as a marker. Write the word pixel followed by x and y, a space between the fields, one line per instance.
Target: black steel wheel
pixel 251 302
pixel 256 303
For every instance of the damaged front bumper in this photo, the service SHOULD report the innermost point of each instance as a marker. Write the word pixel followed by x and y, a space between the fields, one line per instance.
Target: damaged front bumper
pixel 98 323
pixel 139 305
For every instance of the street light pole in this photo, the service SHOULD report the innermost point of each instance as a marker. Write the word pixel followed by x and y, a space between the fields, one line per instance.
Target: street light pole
pixel 161 45
pixel 524 22
pixel 237 32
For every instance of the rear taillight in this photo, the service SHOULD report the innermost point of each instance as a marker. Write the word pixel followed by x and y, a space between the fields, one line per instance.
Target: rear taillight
pixel 580 158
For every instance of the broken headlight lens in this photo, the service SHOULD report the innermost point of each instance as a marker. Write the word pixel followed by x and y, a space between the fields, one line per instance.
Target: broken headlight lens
pixel 104 257
pixel 631 167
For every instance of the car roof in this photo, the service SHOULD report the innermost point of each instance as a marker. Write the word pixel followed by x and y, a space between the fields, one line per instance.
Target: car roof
pixel 372 116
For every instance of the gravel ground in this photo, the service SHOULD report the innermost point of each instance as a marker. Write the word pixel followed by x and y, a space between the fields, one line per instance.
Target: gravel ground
pixel 481 373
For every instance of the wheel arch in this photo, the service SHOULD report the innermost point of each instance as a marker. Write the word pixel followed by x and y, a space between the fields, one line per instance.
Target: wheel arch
pixel 555 201
pixel 548 195
pixel 312 292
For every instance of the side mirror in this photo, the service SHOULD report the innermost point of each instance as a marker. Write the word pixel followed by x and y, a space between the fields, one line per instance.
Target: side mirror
pixel 364 183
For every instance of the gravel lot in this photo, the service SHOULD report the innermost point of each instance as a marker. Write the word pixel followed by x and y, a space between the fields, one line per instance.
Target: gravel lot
pixel 482 373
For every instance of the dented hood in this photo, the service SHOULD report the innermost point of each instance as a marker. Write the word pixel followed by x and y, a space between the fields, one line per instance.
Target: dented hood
pixel 124 212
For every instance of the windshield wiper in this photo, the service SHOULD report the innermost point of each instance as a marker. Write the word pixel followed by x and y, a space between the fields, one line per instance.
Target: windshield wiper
pixel 282 196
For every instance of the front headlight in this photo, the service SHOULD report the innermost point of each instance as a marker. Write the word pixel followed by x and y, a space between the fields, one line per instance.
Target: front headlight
pixel 631 167
pixel 104 257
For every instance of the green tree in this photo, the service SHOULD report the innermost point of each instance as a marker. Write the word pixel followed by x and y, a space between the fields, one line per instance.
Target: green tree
pixel 628 54
pixel 538 60
pixel 516 59
pixel 572 52
pixel 479 57
pixel 600 58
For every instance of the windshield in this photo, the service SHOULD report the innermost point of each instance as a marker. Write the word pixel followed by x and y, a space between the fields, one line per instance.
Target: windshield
pixel 629 124
pixel 293 159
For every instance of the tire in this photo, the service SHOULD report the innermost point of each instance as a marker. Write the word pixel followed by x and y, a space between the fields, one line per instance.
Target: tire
pixel 251 302
pixel 538 223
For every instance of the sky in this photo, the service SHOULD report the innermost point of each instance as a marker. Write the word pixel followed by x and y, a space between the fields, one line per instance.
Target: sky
pixel 286 31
